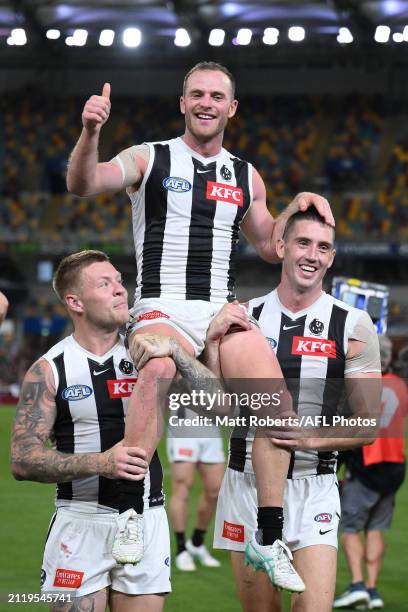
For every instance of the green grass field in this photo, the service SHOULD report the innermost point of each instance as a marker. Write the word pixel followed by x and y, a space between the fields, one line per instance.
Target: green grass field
pixel 26 509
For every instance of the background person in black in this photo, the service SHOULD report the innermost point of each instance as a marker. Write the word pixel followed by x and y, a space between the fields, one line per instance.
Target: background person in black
pixel 373 477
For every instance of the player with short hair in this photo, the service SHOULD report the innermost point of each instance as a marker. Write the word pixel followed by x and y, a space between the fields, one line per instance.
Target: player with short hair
pixel 373 476
pixel 189 199
pixel 75 396
pixel 318 341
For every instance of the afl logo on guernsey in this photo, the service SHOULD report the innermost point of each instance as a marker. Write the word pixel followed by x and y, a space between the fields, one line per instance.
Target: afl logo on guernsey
pixel 76 392
pixel 177 184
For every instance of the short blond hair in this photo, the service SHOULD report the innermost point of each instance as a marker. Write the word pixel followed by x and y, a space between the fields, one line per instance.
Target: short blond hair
pixel 67 275
pixel 213 66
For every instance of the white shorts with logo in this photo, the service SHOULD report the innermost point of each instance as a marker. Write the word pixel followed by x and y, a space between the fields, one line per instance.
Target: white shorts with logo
pixel 195 450
pixel 311 511
pixel 190 318
pixel 78 560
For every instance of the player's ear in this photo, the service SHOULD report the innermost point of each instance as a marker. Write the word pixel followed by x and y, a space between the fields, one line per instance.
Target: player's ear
pixel 182 105
pixel 232 108
pixel 280 248
pixel 74 303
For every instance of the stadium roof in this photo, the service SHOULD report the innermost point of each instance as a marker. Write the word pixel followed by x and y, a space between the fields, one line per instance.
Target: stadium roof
pixel 158 21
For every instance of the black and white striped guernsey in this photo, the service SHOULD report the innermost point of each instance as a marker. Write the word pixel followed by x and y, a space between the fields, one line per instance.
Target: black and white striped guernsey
pixel 186 217
pixel 311 347
pixel 91 401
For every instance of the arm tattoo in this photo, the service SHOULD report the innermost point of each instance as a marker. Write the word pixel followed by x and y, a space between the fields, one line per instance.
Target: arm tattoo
pixel 33 429
pixel 194 373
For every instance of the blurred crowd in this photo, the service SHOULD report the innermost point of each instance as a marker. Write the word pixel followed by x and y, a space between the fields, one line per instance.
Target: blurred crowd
pixel 354 149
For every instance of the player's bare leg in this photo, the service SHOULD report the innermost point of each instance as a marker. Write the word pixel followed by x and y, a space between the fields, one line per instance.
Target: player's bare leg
pixel 143 424
pixel 266 550
pixel 182 478
pixel 211 476
pixel 120 602
pixel 317 565
pixel 255 590
pixel 94 601
pixel 373 556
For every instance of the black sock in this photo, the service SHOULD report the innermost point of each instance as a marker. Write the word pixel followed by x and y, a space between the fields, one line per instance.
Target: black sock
pixel 270 522
pixel 198 537
pixel 130 495
pixel 180 541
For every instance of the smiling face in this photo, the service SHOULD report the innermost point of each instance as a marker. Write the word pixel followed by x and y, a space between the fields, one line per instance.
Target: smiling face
pixel 100 299
pixel 307 252
pixel 207 104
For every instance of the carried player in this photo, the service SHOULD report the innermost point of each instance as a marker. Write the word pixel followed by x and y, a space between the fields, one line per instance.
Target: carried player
pixel 189 199
pixel 318 341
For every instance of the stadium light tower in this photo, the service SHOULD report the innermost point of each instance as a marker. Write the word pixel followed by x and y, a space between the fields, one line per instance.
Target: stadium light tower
pixel 182 38
pixel 216 38
pixel 17 37
pixel 296 33
pixel 53 34
pixel 244 36
pixel 270 36
pixel 106 38
pixel 382 34
pixel 132 37
pixel 344 36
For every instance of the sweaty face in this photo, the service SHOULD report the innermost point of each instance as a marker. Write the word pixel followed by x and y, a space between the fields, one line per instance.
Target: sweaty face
pixel 207 104
pixel 103 297
pixel 307 251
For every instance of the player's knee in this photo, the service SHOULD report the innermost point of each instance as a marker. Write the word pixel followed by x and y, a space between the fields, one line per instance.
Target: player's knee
pixel 160 367
pixel 212 493
pixel 182 489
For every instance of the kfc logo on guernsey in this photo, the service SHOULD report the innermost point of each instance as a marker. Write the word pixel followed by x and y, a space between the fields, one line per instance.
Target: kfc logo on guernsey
pixel 225 193
pixel 233 532
pixel 301 345
pixel 121 388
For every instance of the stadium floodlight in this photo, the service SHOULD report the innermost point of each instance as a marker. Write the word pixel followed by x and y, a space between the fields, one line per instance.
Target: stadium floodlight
pixel 344 36
pixel 382 34
pixel 53 34
pixel 18 37
pixel 296 33
pixel 270 36
pixel 244 36
pixel 106 38
pixel 398 37
pixel 10 41
pixel 70 41
pixel 182 38
pixel 216 38
pixel 405 34
pixel 132 37
pixel 80 37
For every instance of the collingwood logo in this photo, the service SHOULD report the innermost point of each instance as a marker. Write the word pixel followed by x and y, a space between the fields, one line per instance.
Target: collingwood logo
pixel 316 327
pixel 225 173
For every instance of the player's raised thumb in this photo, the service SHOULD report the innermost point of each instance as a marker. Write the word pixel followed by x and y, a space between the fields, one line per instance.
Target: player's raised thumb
pixel 106 90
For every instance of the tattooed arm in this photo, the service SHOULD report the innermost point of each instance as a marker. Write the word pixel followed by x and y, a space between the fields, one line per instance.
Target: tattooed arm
pixel 195 374
pixel 33 427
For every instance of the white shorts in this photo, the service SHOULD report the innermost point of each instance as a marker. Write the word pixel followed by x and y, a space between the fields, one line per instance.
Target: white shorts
pixel 190 318
pixel 311 511
pixel 78 560
pixel 195 450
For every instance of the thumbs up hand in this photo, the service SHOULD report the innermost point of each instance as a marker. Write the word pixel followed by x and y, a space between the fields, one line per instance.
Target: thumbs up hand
pixel 96 110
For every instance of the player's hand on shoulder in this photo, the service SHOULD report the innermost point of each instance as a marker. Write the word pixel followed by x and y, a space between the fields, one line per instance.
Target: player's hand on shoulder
pixel 231 317
pixel 303 201
pixel 126 462
pixel 96 110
